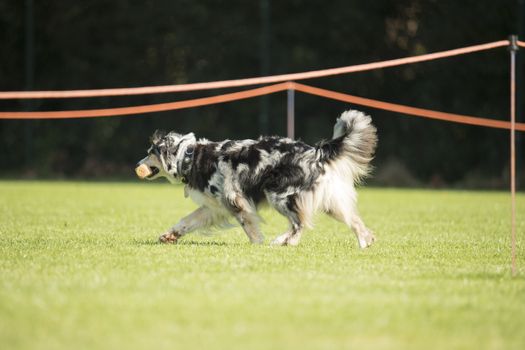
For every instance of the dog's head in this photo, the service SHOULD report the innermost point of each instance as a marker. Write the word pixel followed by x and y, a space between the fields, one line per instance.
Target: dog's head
pixel 165 156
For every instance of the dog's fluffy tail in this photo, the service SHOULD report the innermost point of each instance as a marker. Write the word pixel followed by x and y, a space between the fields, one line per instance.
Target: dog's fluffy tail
pixel 352 146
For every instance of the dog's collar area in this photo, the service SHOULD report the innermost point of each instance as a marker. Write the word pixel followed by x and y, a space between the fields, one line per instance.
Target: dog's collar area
pixel 186 164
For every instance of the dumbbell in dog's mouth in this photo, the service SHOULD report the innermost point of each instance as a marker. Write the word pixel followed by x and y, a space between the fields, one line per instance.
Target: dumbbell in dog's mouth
pixel 144 172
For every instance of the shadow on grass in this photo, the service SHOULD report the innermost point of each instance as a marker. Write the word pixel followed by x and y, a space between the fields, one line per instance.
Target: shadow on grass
pixel 486 276
pixel 479 276
pixel 204 243
pixel 154 242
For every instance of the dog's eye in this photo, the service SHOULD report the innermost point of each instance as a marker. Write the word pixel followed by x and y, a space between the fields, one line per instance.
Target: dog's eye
pixel 155 151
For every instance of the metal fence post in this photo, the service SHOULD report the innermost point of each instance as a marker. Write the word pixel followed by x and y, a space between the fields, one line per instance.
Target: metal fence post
pixel 513 48
pixel 290 115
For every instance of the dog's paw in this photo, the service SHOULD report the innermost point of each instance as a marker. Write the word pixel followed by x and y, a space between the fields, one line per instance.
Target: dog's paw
pixel 281 240
pixel 367 240
pixel 293 240
pixel 169 237
pixel 258 240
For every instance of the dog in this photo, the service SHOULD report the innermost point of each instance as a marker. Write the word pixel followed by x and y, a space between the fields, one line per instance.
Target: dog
pixel 231 178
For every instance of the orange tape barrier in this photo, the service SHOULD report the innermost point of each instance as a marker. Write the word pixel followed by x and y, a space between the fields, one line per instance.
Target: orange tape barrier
pixel 420 112
pixel 108 112
pixel 161 107
pixel 249 81
pixel 521 43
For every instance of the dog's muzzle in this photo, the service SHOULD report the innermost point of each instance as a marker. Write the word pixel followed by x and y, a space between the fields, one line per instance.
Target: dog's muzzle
pixel 143 171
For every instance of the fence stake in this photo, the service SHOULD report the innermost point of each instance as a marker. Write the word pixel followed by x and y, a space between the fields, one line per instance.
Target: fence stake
pixel 513 48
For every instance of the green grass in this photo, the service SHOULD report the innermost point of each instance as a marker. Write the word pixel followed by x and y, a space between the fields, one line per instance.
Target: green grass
pixel 80 269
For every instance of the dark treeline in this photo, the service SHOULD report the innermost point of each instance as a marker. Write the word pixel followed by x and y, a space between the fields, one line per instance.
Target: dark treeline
pixel 60 45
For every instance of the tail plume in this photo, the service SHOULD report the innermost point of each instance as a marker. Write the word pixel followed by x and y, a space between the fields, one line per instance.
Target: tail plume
pixel 353 143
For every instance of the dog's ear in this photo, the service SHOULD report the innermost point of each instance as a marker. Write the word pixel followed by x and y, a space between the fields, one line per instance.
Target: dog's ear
pixel 189 137
pixel 157 136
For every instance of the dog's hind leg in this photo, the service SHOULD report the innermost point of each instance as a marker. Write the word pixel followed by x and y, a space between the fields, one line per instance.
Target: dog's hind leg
pixel 287 206
pixel 364 236
pixel 200 218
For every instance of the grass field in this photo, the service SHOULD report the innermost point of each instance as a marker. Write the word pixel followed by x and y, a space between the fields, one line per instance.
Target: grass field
pixel 80 269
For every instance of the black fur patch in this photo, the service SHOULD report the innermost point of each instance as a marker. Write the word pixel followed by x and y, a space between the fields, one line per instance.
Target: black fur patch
pixel 248 155
pixel 204 166
pixel 213 189
pixel 287 174
pixel 329 149
pixel 274 143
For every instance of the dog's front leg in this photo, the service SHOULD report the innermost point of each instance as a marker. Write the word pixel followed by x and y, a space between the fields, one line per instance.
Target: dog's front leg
pixel 249 223
pixel 200 218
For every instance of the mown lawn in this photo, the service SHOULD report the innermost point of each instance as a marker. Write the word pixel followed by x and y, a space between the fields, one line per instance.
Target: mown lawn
pixel 80 268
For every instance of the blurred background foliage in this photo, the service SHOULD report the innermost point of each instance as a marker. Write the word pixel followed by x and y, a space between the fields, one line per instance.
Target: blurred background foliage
pixel 124 43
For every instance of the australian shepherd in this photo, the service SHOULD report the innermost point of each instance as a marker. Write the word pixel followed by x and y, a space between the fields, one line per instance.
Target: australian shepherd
pixel 231 178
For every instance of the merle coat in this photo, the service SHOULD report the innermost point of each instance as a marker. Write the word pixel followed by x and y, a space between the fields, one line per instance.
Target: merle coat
pixel 232 178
